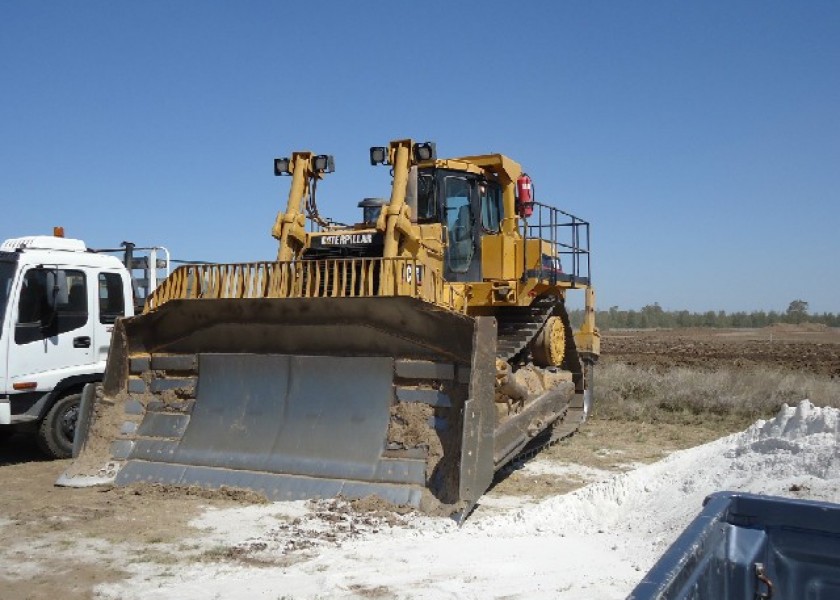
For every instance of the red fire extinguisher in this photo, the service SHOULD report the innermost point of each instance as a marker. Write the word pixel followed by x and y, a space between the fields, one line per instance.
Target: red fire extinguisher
pixel 525 194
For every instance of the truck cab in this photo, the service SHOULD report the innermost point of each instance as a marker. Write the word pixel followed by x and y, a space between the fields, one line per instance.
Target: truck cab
pixel 58 305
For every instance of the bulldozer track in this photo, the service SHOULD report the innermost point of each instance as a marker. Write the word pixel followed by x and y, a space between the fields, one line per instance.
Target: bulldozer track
pixel 518 326
pixel 562 429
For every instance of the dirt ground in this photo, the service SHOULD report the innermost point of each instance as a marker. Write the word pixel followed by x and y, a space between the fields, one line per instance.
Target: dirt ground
pixel 60 543
pixel 812 348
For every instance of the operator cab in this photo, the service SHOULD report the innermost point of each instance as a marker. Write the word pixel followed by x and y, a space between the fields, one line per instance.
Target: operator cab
pixel 469 206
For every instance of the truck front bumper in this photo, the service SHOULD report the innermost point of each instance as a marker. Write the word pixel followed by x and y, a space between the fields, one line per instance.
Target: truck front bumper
pixel 22 408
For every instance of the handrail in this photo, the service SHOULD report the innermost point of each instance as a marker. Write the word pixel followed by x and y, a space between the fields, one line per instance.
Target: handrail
pixel 569 238
pixel 323 278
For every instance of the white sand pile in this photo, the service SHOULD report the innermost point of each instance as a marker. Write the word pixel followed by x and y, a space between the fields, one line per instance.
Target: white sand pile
pixel 596 542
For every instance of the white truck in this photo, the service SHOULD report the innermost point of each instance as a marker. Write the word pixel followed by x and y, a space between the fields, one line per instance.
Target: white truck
pixel 58 304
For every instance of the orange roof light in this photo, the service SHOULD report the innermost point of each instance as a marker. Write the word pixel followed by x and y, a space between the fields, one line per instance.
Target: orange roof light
pixel 58 232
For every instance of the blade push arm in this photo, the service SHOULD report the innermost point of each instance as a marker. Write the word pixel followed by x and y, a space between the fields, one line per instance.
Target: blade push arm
pixel 290 226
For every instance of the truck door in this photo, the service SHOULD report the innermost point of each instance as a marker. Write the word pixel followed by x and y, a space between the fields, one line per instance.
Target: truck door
pixel 52 336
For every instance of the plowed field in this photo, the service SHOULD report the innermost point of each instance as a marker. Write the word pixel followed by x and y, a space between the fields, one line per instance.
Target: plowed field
pixel 810 348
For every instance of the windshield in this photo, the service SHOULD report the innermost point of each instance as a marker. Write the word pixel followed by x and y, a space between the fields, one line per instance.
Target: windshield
pixel 7 275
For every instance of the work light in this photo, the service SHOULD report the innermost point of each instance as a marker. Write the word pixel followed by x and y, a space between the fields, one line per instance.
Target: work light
pixel 281 166
pixel 424 152
pixel 378 155
pixel 323 163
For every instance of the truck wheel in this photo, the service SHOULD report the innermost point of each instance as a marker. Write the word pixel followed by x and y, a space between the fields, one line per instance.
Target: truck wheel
pixel 55 436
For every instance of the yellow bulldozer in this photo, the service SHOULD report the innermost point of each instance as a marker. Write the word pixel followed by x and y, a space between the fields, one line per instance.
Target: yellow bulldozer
pixel 409 356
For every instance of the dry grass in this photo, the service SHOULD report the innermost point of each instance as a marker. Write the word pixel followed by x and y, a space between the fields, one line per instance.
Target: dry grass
pixel 730 397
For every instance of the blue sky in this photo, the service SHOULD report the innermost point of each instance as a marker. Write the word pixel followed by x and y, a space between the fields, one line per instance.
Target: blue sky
pixel 700 139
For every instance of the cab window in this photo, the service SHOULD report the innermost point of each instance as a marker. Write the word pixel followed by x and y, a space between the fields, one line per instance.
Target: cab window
pixel 490 194
pixel 426 202
pixel 52 301
pixel 111 298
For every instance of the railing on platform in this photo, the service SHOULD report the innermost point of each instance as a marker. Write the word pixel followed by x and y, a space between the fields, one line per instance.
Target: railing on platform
pixel 324 278
pixel 568 236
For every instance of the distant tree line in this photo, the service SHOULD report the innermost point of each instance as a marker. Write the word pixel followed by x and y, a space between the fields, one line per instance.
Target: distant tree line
pixel 653 315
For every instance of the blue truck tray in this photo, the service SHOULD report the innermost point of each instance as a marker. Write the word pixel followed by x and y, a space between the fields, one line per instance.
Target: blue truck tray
pixel 751 547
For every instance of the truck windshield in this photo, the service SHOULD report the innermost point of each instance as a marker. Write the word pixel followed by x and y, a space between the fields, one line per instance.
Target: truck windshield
pixel 7 275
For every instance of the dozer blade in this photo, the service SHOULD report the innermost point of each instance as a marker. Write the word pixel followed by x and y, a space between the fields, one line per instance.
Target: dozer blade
pixel 297 398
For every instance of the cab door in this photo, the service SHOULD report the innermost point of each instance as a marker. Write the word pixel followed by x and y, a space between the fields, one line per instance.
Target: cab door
pixel 52 333
pixel 460 210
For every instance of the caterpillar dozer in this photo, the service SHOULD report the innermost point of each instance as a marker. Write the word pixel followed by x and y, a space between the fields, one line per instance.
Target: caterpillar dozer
pixel 409 356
